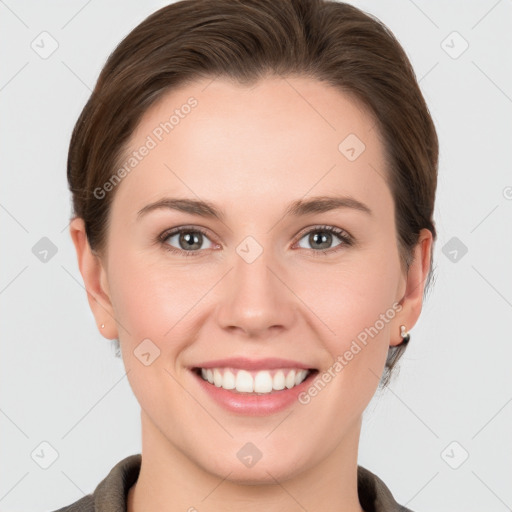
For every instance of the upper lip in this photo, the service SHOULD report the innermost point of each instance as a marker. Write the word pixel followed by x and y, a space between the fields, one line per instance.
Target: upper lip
pixel 268 363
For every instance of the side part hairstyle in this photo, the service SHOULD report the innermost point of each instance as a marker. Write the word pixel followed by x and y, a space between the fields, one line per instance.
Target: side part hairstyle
pixel 247 41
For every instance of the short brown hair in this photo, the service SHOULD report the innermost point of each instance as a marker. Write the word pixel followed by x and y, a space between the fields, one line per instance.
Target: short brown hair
pixel 325 40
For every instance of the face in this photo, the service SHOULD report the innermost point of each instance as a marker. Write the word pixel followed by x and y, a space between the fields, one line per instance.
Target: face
pixel 259 279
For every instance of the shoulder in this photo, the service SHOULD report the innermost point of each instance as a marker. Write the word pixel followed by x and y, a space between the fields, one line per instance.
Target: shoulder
pixel 111 493
pixel 85 504
pixel 374 495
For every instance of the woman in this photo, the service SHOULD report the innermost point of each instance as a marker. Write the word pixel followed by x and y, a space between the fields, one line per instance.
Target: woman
pixel 253 189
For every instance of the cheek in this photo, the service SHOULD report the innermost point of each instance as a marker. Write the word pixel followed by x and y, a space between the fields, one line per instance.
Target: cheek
pixel 140 302
pixel 157 305
pixel 354 306
pixel 152 306
pixel 351 295
pixel 152 299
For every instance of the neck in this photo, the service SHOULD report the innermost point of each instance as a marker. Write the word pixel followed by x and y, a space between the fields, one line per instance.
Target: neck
pixel 170 481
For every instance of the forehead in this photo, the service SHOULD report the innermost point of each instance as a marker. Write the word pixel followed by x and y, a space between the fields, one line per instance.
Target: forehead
pixel 278 138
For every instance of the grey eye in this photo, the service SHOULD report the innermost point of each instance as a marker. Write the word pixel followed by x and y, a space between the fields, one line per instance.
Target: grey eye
pixel 320 238
pixel 189 240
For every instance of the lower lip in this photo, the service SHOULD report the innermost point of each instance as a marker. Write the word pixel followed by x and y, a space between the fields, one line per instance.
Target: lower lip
pixel 250 404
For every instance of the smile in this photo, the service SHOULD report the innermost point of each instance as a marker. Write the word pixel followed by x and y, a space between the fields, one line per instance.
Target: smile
pixel 261 382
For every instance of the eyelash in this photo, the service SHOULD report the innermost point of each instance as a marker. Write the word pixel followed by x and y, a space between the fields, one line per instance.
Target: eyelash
pixel 343 235
pixel 346 239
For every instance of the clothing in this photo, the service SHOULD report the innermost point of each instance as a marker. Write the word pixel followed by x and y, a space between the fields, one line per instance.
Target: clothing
pixel 111 493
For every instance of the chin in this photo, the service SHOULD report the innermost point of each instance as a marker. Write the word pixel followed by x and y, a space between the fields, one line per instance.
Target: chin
pixel 264 471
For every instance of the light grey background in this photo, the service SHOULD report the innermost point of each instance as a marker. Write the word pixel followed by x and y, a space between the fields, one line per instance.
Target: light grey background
pixel 60 381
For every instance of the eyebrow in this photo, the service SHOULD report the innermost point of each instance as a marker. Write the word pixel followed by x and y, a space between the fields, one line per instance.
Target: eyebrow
pixel 300 207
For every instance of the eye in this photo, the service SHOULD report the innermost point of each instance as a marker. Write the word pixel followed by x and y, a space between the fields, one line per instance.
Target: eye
pixel 321 238
pixel 189 240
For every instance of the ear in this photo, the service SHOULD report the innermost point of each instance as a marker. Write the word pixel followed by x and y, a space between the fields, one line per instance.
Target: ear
pixel 95 280
pixel 414 284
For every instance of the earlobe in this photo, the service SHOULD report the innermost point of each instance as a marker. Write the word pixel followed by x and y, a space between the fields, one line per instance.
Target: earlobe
pixel 412 300
pixel 95 279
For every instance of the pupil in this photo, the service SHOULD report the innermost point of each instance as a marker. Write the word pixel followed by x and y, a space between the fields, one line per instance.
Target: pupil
pixel 190 240
pixel 321 239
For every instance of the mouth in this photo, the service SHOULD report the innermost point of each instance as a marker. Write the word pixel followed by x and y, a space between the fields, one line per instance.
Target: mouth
pixel 261 382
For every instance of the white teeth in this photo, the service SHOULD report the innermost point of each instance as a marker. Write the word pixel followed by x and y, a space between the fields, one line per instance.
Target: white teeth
pixel 217 378
pixel 290 380
pixel 253 382
pixel 244 382
pixel 229 380
pixel 263 382
pixel 298 378
pixel 279 380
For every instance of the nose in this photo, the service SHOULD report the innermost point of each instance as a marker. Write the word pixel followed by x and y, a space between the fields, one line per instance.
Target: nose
pixel 256 300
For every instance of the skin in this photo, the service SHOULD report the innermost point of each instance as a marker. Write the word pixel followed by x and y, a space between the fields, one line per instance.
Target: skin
pixel 251 151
